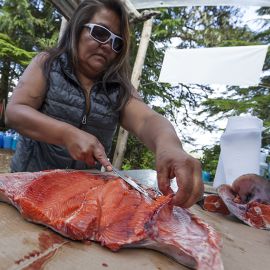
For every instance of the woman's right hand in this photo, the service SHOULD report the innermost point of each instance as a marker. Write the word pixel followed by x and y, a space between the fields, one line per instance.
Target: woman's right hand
pixel 85 147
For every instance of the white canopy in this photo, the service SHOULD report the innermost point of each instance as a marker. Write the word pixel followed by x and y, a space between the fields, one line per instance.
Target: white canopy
pixel 220 65
pixel 145 4
pixel 67 7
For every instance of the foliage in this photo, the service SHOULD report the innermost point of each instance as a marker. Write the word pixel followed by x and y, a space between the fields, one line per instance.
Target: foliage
pixel 8 48
pixel 26 27
pixel 210 158
pixel 137 156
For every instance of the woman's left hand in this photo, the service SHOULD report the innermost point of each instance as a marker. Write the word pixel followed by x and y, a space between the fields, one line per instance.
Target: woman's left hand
pixel 175 162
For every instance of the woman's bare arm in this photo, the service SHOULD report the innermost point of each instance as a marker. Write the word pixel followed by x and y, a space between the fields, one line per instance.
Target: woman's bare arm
pixel 158 134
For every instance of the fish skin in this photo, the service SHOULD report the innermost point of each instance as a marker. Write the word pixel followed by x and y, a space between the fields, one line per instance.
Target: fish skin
pixel 80 206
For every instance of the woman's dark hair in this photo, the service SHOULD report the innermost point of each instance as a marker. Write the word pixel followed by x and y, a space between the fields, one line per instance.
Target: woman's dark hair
pixel 119 70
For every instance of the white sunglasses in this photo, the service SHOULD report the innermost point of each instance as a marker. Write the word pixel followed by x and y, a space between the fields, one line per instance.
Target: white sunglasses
pixel 102 35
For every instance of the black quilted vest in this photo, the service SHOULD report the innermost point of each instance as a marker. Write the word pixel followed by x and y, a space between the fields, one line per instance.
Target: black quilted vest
pixel 65 101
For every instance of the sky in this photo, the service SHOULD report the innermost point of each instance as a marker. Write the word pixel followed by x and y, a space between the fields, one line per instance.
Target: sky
pixel 250 17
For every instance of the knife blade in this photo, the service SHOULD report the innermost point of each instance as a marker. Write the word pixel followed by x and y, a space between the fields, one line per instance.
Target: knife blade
pixel 131 183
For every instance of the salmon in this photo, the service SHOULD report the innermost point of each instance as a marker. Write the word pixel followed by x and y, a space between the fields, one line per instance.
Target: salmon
pixel 255 213
pixel 103 208
pixel 214 203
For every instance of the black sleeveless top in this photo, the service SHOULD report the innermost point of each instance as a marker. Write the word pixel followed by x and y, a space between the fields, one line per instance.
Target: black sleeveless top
pixel 65 101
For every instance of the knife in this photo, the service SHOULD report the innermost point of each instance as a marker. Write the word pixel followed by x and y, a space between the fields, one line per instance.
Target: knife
pixel 131 182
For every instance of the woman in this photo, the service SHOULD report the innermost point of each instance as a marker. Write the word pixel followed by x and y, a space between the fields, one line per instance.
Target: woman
pixel 70 99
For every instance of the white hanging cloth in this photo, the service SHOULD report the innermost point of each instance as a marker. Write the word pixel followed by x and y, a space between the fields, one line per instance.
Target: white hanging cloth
pixel 145 4
pixel 235 66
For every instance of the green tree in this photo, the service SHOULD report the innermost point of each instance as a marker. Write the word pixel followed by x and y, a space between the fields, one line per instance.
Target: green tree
pixel 209 160
pixel 26 27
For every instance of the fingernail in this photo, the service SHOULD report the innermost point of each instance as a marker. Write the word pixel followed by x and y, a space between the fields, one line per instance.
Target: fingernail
pixel 109 168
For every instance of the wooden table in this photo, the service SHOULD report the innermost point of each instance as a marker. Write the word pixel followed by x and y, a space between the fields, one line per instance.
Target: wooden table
pixel 24 245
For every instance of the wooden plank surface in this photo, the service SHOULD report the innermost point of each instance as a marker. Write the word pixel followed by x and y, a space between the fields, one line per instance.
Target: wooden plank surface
pixel 24 245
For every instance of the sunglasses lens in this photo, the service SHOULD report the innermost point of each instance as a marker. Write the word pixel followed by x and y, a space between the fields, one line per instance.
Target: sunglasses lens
pixel 103 35
pixel 100 33
pixel 118 44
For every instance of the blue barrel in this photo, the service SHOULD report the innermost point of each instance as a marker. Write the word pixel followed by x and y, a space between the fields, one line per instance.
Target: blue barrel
pixel 14 142
pixel 7 141
pixel 206 177
pixel 1 139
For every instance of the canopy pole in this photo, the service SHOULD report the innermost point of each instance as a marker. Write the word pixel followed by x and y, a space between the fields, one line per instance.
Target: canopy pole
pixel 135 80
pixel 63 26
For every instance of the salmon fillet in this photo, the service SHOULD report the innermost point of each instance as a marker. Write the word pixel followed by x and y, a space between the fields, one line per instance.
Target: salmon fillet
pixel 103 208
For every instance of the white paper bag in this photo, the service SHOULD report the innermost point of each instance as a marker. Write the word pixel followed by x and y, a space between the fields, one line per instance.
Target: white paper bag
pixel 240 149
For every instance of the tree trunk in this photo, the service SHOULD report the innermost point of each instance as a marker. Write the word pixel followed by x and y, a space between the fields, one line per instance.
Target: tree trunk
pixel 135 80
pixel 4 89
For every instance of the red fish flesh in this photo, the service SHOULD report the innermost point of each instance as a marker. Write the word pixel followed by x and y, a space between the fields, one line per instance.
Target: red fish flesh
pixel 214 203
pixel 103 208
